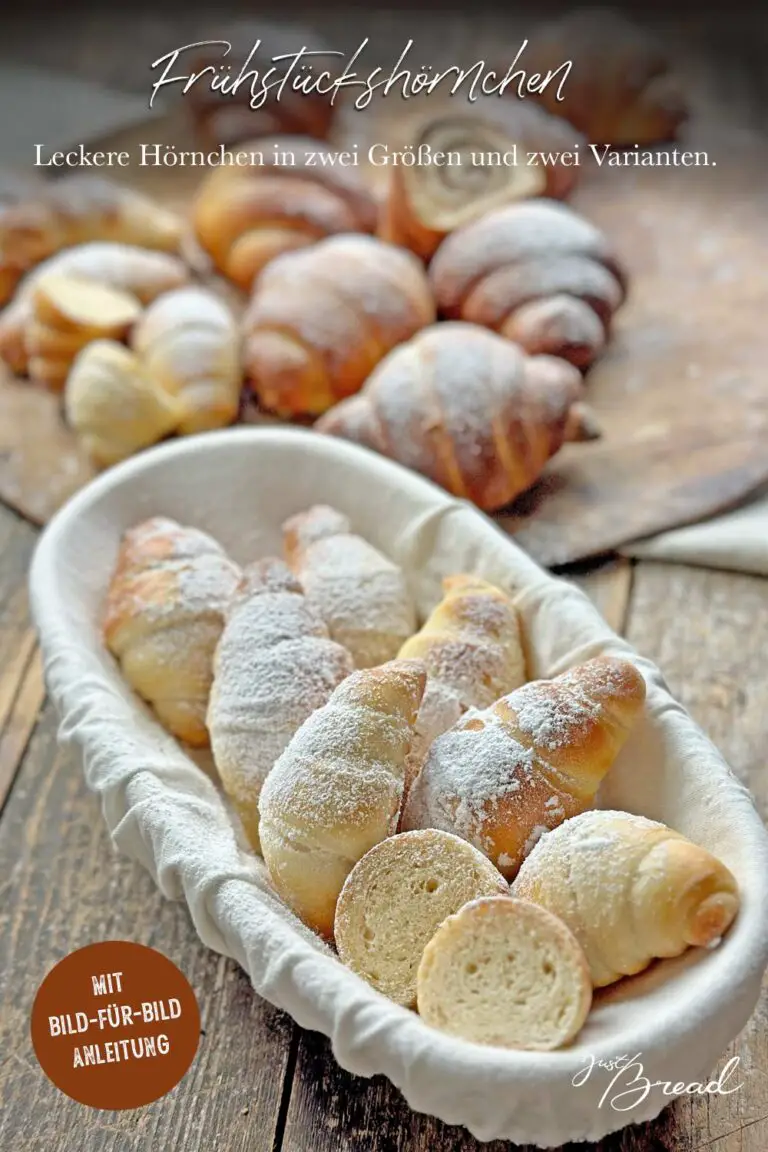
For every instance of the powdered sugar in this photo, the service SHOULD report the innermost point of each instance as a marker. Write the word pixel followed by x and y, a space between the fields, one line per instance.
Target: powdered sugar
pixel 361 595
pixel 275 664
pixel 549 715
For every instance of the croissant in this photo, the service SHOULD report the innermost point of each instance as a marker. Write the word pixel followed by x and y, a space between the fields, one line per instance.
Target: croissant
pixel 275 664
pixel 471 648
pixel 630 890
pixel 619 89
pixel 71 211
pixel 467 409
pixel 337 788
pixel 539 132
pixel 139 271
pixel 424 203
pixel 189 343
pixel 228 118
pixel 246 216
pixel 537 273
pixel 320 320
pixel 68 313
pixel 359 593
pixel 502 776
pixel 163 617
pixel 114 406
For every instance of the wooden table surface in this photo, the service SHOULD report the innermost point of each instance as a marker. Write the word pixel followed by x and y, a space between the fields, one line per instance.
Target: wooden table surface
pixel 258 1081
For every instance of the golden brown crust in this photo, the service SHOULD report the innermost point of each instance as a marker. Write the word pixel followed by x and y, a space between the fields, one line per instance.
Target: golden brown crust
pixel 537 273
pixel 163 617
pixel 464 407
pixel 246 216
pixel 631 890
pixel 72 211
pixel 502 776
pixel 321 319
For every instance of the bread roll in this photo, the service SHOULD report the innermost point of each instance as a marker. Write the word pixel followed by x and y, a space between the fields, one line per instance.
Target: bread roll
pixel 394 899
pixel 507 973
pixel 275 664
pixel 504 775
pixel 163 617
pixel 338 786
pixel 362 596
pixel 631 890
pixel 472 650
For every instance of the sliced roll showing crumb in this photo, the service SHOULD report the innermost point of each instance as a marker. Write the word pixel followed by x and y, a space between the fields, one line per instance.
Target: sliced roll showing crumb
pixel 630 889
pixel 504 972
pixel 484 168
pixel 395 898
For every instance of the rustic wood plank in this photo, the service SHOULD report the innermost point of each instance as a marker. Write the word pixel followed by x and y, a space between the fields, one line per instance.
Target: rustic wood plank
pixel 63 887
pixel 16 727
pixel 20 679
pixel 708 631
pixel 609 587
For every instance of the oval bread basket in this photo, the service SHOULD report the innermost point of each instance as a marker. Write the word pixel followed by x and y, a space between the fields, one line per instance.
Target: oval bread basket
pixel 165 812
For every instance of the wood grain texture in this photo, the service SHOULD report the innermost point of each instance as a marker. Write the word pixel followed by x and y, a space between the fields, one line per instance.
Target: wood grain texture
pixel 21 688
pixel 64 887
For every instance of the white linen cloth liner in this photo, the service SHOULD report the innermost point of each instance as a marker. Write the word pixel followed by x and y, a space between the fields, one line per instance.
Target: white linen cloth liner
pixel 162 810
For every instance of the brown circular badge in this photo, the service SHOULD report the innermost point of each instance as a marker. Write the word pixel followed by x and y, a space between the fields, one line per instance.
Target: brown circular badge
pixel 115 1025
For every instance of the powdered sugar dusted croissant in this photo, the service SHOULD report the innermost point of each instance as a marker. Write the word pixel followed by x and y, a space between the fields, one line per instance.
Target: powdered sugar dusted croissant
pixel 337 789
pixel 246 216
pixel 631 890
pixel 321 319
pixel 538 273
pixel 467 409
pixel 471 648
pixel 362 596
pixel 113 405
pixel 72 211
pixel 163 617
pixel 275 664
pixel 189 343
pixel 139 271
pixel 502 776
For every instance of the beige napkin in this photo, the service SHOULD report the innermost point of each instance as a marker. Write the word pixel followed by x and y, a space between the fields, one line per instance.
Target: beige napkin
pixel 737 541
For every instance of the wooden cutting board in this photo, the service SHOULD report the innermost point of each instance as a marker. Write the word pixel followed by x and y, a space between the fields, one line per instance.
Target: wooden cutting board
pixel 680 393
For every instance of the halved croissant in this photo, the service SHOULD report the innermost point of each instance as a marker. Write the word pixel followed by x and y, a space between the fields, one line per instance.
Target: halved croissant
pixel 465 408
pixel 631 890
pixel 67 314
pixel 321 319
pixel 538 273
pixel 246 216
pixel 189 343
pixel 72 211
pixel 424 203
pixel 114 406
pixel 142 272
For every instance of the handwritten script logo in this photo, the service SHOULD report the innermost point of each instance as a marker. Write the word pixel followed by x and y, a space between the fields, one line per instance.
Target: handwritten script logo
pixel 305 72
pixel 629 1086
